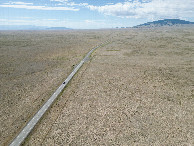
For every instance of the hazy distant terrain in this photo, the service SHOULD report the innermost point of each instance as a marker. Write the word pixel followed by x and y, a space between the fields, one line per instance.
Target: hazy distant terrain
pixel 30 27
pixel 137 90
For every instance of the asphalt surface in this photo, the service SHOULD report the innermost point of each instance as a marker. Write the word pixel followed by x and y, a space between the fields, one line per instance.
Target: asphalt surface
pixel 31 124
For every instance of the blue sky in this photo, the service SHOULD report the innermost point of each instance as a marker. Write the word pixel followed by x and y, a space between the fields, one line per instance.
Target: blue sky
pixel 91 14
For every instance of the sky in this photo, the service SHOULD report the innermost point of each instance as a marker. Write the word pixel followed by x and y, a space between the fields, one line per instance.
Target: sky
pixel 92 14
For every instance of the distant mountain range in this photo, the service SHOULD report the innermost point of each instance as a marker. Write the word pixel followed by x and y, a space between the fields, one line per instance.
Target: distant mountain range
pixel 30 27
pixel 159 23
pixel 58 28
pixel 165 22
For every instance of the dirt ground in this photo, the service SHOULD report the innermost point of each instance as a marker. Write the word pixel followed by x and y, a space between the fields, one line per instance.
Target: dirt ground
pixel 32 65
pixel 138 90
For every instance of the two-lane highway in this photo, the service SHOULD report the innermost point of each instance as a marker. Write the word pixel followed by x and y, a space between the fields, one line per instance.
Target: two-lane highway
pixel 30 125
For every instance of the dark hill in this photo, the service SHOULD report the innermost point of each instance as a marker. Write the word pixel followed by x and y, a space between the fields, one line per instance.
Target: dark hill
pixel 165 22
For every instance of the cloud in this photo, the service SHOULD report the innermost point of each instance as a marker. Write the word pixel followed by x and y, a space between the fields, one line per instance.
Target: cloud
pixel 59 1
pixel 35 22
pixel 50 19
pixel 95 21
pixel 18 3
pixel 30 6
pixel 75 4
pixel 70 23
pixel 14 21
pixel 119 9
pixel 69 3
pixel 148 9
pixel 3 20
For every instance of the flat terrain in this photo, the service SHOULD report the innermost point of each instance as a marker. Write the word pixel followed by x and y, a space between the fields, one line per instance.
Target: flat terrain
pixel 32 65
pixel 137 90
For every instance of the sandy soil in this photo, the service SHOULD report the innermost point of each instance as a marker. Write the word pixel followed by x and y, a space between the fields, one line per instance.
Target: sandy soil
pixel 138 90
pixel 32 65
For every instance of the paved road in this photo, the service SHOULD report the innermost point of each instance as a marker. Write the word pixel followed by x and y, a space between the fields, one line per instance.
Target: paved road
pixel 30 125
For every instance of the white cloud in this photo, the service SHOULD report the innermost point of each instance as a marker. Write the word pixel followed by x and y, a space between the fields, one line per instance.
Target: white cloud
pixel 36 22
pixel 50 19
pixel 148 9
pixel 75 4
pixel 18 3
pixel 69 3
pixel 77 24
pixel 14 21
pixel 95 21
pixel 59 1
pixel 3 20
pixel 119 9
pixel 31 7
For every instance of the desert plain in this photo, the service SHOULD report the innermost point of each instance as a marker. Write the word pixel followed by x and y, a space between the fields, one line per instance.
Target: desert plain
pixel 136 90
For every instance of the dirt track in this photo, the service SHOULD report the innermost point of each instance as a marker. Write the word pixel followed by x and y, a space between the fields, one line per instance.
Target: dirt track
pixel 138 90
